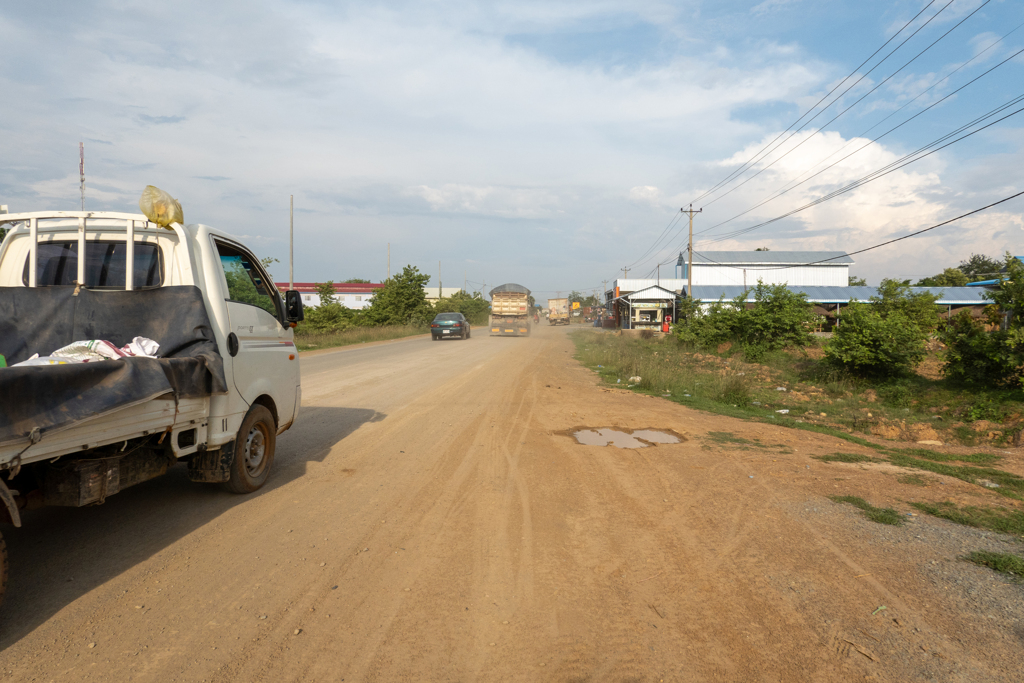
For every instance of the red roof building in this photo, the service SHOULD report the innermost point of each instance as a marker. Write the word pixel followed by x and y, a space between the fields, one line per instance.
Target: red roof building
pixel 353 295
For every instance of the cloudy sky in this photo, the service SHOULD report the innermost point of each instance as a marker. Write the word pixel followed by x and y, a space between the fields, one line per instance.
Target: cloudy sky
pixel 547 142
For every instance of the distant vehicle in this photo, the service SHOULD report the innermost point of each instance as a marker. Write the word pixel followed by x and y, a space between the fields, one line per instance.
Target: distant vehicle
pixel 449 326
pixel 559 314
pixel 510 315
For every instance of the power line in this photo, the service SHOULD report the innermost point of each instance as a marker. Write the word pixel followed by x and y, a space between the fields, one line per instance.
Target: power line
pixel 876 246
pixel 886 170
pixel 859 100
pixel 765 150
pixel 792 186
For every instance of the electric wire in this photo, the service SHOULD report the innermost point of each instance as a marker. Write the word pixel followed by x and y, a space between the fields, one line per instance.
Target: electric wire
pixel 886 170
pixel 875 246
pixel 797 182
pixel 753 159
pixel 826 96
pixel 858 101
pixel 765 150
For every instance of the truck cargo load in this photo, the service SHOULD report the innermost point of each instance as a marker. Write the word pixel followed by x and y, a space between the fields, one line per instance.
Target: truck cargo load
pixel 510 311
pixel 559 311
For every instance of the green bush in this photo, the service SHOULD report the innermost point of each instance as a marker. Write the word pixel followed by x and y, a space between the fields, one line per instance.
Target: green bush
pixel 473 306
pixel 896 297
pixel 975 356
pixel 870 345
pixel 401 301
pixel 778 319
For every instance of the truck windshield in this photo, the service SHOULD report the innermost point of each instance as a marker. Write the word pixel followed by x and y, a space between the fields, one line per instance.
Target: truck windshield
pixel 106 265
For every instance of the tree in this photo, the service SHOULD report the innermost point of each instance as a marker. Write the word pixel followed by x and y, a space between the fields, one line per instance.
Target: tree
pixel 979 267
pixel 356 280
pixel 857 282
pixel 887 336
pixel 895 296
pixel 871 344
pixel 762 249
pixel 329 316
pixel 779 318
pixel 976 356
pixel 267 260
pixel 325 292
pixel 473 306
pixel 401 301
pixel 950 277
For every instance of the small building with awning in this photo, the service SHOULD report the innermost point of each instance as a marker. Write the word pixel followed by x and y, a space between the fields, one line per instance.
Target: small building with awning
pixel 645 308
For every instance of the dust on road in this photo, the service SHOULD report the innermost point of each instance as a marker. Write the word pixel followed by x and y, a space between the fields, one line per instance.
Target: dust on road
pixel 432 518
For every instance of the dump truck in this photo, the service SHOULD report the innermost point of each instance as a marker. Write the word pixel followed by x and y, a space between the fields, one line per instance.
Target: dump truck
pixel 86 408
pixel 510 311
pixel 559 311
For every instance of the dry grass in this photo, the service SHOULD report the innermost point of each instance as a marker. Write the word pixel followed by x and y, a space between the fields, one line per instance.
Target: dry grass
pixel 356 335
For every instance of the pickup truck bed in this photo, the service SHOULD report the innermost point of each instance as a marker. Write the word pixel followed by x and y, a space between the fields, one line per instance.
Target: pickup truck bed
pixel 38 403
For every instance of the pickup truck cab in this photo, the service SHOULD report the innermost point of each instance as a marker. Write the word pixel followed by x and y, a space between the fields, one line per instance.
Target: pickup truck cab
pixel 224 384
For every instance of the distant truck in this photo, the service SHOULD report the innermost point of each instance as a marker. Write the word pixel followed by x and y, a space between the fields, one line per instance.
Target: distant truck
pixel 510 311
pixel 559 314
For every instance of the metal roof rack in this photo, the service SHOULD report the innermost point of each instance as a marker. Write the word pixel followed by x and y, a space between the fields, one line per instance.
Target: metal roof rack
pixel 33 218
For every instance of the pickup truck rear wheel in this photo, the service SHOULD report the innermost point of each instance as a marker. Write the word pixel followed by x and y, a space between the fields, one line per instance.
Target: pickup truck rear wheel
pixel 254 451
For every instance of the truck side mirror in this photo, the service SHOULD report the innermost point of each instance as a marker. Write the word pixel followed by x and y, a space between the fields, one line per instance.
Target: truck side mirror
pixel 293 307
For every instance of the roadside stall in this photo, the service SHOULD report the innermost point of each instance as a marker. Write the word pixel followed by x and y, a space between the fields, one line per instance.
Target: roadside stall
pixel 646 309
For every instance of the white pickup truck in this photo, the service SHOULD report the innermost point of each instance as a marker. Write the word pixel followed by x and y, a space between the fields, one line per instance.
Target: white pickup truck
pixel 224 384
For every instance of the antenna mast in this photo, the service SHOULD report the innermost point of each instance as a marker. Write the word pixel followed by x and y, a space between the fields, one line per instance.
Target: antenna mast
pixel 81 170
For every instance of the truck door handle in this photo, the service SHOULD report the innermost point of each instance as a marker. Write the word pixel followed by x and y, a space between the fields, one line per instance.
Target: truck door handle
pixel 232 345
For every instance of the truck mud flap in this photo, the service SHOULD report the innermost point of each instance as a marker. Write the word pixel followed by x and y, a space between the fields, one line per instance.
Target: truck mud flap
pixel 84 482
pixel 212 467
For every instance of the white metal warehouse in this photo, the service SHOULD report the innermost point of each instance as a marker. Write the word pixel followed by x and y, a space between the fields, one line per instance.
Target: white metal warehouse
pixel 745 268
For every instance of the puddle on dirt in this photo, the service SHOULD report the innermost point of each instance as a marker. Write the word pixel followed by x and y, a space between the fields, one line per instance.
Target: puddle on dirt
pixel 640 438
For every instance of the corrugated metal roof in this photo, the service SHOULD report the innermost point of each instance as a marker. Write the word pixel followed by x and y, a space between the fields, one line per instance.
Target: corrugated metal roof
pixel 948 296
pixel 650 293
pixel 774 258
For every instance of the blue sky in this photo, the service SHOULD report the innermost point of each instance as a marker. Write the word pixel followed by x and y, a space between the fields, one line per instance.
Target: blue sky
pixel 546 143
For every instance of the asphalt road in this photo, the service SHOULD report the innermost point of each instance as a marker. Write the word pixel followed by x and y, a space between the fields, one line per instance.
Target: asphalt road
pixel 430 518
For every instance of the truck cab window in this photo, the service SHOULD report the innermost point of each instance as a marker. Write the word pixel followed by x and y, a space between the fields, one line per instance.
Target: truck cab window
pixel 106 264
pixel 246 282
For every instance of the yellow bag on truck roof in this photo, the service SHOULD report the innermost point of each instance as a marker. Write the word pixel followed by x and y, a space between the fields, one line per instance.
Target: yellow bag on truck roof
pixel 160 207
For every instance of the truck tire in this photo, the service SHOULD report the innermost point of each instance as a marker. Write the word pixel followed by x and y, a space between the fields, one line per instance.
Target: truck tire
pixel 254 451
pixel 3 569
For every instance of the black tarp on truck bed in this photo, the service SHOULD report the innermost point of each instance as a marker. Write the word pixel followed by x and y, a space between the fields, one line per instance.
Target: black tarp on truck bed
pixel 44 319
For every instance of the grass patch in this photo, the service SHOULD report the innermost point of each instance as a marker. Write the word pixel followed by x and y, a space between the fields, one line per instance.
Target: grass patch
pixel 912 480
pixel 977 458
pixel 1001 562
pixel 844 457
pixel 728 437
pixel 356 335
pixel 994 519
pixel 880 515
pixel 1009 485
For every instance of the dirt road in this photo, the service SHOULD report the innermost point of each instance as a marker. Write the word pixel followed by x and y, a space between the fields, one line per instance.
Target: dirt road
pixel 429 520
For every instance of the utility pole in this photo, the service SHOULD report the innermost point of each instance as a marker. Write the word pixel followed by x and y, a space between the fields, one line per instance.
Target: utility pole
pixel 389 260
pixel 438 280
pixel 81 170
pixel 625 273
pixel 291 242
pixel 689 269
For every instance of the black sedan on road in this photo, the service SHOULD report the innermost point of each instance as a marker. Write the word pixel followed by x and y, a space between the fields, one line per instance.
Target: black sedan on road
pixel 448 325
